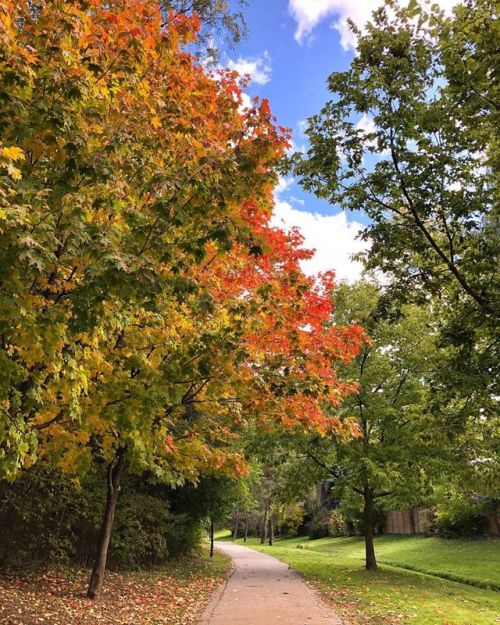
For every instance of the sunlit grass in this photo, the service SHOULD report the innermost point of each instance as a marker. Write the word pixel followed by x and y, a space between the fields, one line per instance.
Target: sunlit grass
pixel 222 534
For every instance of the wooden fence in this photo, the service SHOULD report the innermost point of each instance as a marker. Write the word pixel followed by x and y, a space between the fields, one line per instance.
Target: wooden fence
pixel 407 520
pixel 413 520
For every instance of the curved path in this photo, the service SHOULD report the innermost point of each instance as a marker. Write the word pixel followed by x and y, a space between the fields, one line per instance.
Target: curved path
pixel 264 591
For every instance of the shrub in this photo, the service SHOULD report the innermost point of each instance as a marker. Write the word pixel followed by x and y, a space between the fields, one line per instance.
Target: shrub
pixel 183 534
pixel 40 515
pixel 319 524
pixel 291 520
pixel 46 516
pixel 139 535
pixel 459 517
pixel 336 525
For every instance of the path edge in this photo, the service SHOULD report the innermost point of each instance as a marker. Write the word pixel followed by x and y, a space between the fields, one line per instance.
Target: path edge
pixel 211 606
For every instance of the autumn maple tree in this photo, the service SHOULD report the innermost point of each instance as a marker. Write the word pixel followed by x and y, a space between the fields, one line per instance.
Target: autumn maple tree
pixel 148 309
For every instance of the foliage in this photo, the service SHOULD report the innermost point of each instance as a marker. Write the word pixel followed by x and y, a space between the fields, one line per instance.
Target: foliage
pixel 47 516
pixel 410 137
pixel 141 534
pixel 395 454
pixel 431 100
pixel 352 509
pixel 319 525
pixel 220 22
pixel 457 515
pixel 120 189
pixel 149 309
pixel 290 520
pixel 142 280
pixel 336 524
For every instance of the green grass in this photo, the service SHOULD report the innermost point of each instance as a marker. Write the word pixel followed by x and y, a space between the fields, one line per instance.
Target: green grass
pixel 473 562
pixel 395 594
pixel 222 534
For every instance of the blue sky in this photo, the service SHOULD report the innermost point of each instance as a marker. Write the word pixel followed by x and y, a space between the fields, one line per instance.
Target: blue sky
pixel 291 48
pixel 297 72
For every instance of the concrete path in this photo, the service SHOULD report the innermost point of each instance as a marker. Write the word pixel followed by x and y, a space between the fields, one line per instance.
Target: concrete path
pixel 264 591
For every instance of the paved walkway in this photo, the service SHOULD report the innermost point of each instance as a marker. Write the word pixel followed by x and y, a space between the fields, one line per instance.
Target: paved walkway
pixel 264 591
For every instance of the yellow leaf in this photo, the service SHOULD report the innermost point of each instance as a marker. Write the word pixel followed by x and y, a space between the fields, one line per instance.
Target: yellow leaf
pixel 13 153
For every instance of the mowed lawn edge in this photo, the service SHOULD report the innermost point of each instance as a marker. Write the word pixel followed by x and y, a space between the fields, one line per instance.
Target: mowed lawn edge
pixel 473 562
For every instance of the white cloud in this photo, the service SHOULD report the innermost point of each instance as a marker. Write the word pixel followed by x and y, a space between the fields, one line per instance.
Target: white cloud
pixel 246 102
pixel 258 68
pixel 296 147
pixel 302 125
pixel 332 236
pixel 283 185
pixel 309 13
pixel 366 124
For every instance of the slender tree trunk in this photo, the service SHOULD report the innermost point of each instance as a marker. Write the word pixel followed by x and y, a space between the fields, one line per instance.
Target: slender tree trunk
pixel 115 471
pixel 368 517
pixel 236 523
pixel 412 520
pixel 246 528
pixel 263 537
pixel 211 538
pixel 271 530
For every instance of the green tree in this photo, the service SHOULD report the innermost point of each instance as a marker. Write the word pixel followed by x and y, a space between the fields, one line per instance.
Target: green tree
pixel 411 138
pixel 391 457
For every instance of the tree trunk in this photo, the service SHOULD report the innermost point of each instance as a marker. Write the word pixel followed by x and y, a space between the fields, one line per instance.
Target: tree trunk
pixel 271 530
pixel 368 515
pixel 115 471
pixel 211 538
pixel 412 520
pixel 236 523
pixel 263 537
pixel 246 528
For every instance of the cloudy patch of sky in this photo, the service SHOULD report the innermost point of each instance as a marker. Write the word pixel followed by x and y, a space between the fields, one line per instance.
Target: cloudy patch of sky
pixel 292 48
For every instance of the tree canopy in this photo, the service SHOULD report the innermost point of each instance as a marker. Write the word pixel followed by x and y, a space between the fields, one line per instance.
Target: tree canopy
pixel 149 310
pixel 410 137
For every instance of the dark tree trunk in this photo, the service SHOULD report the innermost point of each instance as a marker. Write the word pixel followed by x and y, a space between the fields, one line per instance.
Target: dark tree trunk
pixel 412 521
pixel 246 528
pixel 368 517
pixel 211 538
pixel 236 523
pixel 115 471
pixel 263 537
pixel 271 530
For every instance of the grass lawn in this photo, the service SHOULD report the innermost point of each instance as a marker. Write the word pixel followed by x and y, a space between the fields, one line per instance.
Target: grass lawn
pixel 222 534
pixel 396 595
pixel 475 562
pixel 171 595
